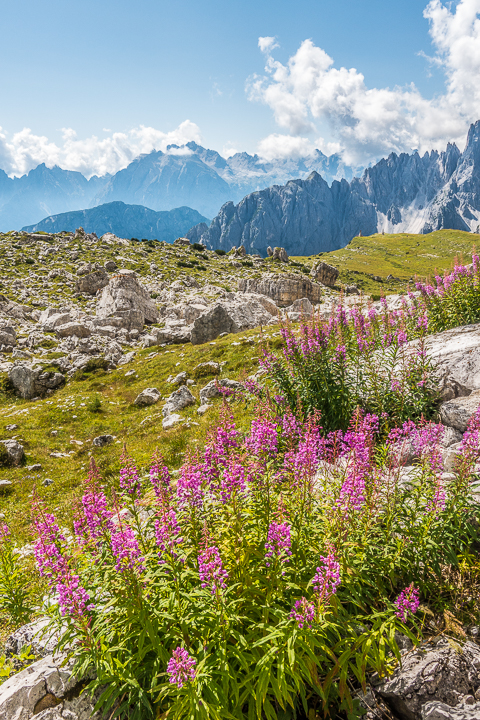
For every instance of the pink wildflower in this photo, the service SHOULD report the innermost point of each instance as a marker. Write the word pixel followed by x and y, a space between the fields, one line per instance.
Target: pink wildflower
pixel 181 667
pixel 407 602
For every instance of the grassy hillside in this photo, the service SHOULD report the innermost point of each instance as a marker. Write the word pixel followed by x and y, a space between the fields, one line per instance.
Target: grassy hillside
pixel 402 256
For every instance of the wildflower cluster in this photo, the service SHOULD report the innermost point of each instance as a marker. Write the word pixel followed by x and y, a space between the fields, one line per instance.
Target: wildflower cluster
pixel 273 552
pixel 359 358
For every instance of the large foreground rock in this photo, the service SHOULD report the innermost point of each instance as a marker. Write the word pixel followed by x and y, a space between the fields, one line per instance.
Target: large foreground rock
pixel 283 289
pixel 456 413
pixel 456 353
pixel 46 690
pixel 8 336
pixel 230 317
pixel 126 298
pixel 29 380
pixel 445 672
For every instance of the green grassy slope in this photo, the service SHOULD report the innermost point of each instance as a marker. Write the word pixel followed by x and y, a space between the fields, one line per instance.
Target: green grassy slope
pixel 403 256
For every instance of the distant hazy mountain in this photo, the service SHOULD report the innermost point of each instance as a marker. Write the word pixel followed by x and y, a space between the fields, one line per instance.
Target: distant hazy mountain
pixel 42 192
pixel 124 221
pixel 189 175
pixel 405 193
pixel 205 180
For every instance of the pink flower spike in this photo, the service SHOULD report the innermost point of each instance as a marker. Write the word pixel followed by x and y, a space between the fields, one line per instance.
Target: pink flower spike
pixel 407 603
pixel 181 667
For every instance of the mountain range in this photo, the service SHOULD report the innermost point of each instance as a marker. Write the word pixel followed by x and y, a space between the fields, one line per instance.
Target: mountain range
pixel 401 193
pixel 124 221
pixel 187 175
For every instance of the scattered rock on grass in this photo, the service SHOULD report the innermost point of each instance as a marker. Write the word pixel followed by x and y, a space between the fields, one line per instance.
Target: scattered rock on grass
pixel 149 396
pixel 212 389
pixel 15 451
pixel 103 440
pixel 170 420
pixel 178 400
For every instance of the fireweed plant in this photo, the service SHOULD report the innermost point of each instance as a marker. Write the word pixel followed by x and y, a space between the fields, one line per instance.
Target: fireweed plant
pixel 358 358
pixel 269 577
pixel 453 300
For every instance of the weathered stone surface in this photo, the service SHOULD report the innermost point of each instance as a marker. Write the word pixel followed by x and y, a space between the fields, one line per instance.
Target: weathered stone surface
pixel 178 400
pixel 92 282
pixel 467 710
pixel 325 274
pixel 21 695
pixel 35 634
pixel 283 289
pixel 110 266
pixel 8 336
pixel 212 389
pixel 171 420
pixel 182 241
pixel 457 355
pixel 445 672
pixel 103 440
pixel 456 413
pixel 50 320
pixel 73 328
pixel 125 297
pixel 303 306
pixel 279 253
pixel 30 380
pixel 149 396
pixel 15 451
pixel 180 379
pixel 229 317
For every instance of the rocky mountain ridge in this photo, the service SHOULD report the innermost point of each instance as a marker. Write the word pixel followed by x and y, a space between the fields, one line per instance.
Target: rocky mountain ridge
pixel 123 220
pixel 182 175
pixel 405 193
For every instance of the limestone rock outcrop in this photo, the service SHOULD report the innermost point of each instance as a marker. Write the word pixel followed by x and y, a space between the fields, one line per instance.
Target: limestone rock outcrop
pixel 283 289
pixel 124 297
pixel 445 672
pixel 325 274
pixel 30 380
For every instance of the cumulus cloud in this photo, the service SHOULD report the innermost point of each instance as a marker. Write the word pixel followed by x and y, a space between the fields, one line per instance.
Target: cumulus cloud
pixel 91 156
pixel 267 44
pixel 368 123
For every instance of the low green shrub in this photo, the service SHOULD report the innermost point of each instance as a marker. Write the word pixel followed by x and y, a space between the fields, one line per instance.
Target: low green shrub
pixel 220 252
pixel 198 246
pixel 94 405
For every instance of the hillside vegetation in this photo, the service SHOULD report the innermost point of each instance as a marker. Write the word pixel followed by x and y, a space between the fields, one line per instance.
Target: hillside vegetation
pixel 401 257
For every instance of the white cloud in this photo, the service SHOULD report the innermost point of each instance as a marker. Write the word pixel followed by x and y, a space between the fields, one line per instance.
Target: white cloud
pixel 25 150
pixel 368 123
pixel 284 147
pixel 267 44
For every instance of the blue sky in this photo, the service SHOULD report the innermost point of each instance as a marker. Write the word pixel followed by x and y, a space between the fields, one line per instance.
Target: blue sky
pixel 101 67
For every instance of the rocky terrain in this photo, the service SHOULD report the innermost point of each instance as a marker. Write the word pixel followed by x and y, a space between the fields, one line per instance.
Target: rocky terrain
pixel 124 221
pixel 405 193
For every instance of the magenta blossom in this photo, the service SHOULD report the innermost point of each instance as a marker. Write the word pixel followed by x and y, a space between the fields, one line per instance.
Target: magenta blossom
pixel 407 602
pixel 211 571
pixel 125 548
pixel 167 533
pixel 303 613
pixel 327 578
pixel 73 599
pixel 278 543
pixel 181 667
pixel 129 480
